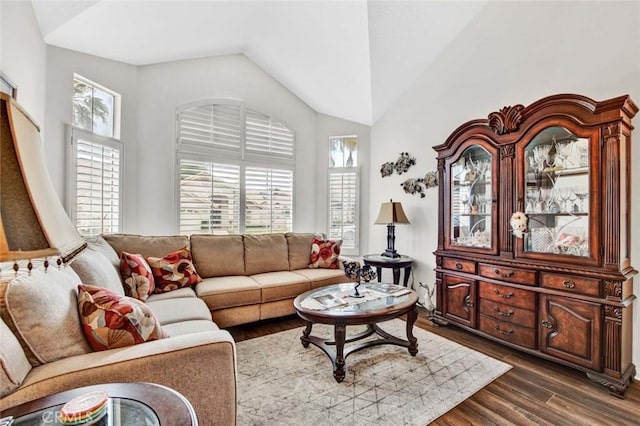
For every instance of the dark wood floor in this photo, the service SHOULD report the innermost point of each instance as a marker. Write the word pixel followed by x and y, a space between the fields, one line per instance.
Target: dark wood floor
pixel 533 392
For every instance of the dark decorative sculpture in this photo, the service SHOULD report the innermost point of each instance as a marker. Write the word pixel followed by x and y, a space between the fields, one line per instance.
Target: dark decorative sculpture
pixel 402 165
pixel 355 273
pixel 418 186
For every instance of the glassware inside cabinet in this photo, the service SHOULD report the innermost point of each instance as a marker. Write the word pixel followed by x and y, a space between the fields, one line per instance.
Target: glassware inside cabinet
pixel 471 203
pixel 557 193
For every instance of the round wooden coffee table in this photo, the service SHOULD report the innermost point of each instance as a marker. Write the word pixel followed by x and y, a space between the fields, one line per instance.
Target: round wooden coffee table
pixel 333 305
pixel 133 403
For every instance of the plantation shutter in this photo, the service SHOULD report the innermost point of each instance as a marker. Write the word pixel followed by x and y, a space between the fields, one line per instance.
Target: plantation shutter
pixel 209 198
pixel 215 125
pixel 97 182
pixel 343 206
pixel 266 136
pixel 269 200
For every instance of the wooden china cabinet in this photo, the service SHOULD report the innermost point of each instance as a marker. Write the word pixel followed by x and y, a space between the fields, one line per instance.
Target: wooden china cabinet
pixel 563 289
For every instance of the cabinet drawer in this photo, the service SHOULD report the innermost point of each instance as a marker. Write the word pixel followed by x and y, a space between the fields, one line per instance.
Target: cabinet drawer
pixel 507 313
pixel 509 296
pixel 571 283
pixel 515 334
pixel 460 265
pixel 504 273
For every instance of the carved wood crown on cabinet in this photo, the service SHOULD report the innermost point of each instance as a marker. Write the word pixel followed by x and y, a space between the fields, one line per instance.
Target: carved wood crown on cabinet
pixel 562 288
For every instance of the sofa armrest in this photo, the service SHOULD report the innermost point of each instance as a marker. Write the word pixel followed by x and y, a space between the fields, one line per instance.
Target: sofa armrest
pixel 201 366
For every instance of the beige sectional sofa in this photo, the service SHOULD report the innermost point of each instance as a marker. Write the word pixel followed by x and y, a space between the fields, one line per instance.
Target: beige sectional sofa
pixel 245 278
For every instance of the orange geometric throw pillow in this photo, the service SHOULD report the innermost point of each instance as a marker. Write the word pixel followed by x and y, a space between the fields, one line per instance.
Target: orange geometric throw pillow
pixel 173 271
pixel 325 254
pixel 110 320
pixel 136 275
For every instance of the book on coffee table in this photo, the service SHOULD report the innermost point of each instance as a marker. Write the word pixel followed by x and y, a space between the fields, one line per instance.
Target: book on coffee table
pixel 390 289
pixel 330 301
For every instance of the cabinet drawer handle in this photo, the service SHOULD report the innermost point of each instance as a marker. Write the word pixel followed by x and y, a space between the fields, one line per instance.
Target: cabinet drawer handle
pixel 547 324
pixel 504 296
pixel 502 274
pixel 504 314
pixel 458 266
pixel 568 284
pixel 506 332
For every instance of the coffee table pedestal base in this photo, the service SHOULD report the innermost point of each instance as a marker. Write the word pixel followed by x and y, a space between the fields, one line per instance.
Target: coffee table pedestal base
pixel 339 355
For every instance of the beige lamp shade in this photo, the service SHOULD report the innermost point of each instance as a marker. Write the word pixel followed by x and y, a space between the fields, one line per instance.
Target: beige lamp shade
pixel 33 222
pixel 391 212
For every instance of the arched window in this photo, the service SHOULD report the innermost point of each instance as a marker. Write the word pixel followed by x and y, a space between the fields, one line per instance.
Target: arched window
pixel 235 170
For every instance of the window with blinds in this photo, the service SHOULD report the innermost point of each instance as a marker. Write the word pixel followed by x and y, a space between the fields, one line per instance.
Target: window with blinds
pixel 215 125
pixel 344 193
pixel 269 200
pixel 236 170
pixel 209 198
pixel 97 181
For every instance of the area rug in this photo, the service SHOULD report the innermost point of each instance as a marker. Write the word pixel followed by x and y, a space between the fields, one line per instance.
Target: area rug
pixel 282 383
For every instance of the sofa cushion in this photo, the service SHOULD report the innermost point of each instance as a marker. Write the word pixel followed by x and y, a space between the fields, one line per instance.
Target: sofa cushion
pixel 322 277
pixel 281 285
pixel 225 292
pixel 93 268
pixel 42 310
pixel 299 246
pixel 137 277
pixel 265 253
pixel 188 327
pixel 325 254
pixel 218 255
pixel 169 311
pixel 98 243
pixel 112 321
pixel 14 365
pixel 173 271
pixel 156 246
pixel 175 294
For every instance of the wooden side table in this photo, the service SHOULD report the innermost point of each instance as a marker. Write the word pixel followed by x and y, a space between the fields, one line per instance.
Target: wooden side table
pixel 138 403
pixel 396 263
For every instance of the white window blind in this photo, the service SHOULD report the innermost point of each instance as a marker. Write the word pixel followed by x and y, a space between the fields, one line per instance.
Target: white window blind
pixel 236 170
pixel 343 206
pixel 209 198
pixel 215 125
pixel 268 200
pixel 266 136
pixel 96 186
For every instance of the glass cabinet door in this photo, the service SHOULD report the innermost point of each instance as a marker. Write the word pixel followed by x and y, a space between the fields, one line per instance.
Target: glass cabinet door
pixel 471 199
pixel 556 193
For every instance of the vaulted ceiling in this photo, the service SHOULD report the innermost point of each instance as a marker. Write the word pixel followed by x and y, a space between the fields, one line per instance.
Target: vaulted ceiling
pixel 348 59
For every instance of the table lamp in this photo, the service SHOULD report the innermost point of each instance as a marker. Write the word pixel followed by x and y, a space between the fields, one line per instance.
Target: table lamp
pixel 33 223
pixel 390 214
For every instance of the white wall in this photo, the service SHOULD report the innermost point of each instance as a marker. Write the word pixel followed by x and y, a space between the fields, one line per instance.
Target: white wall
pixel 511 53
pixel 331 126
pixel 117 76
pixel 162 87
pixel 23 56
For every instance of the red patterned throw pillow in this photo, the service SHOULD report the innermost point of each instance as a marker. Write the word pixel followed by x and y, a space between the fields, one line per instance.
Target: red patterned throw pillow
pixel 174 271
pixel 110 320
pixel 324 254
pixel 136 275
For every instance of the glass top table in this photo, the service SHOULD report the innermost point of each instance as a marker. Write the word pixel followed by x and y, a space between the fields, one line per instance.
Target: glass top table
pixel 140 404
pixel 335 305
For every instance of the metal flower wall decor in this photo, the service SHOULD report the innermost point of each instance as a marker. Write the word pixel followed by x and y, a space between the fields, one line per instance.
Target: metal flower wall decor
pixel 419 185
pixel 402 165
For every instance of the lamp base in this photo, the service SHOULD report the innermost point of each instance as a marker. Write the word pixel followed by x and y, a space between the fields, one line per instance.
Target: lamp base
pixel 391 253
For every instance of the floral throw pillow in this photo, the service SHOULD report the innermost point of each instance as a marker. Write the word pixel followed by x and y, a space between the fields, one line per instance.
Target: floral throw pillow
pixel 325 254
pixel 110 320
pixel 136 275
pixel 173 271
